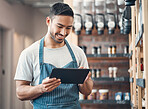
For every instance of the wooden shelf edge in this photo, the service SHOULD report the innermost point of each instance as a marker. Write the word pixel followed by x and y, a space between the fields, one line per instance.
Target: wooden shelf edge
pixel 140 82
pixel 117 79
pixel 139 36
pixel 107 57
pixel 115 102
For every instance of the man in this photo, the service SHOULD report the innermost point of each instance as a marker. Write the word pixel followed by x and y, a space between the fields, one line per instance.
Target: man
pixel 37 61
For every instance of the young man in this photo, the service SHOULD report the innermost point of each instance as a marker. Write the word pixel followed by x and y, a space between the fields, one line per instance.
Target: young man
pixel 37 61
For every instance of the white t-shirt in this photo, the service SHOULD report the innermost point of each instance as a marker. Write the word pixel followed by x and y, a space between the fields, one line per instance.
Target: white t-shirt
pixel 28 68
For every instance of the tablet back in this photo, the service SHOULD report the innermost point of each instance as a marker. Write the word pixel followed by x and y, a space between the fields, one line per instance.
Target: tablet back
pixel 70 75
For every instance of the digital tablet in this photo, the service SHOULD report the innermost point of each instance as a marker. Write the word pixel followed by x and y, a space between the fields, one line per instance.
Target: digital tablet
pixel 70 75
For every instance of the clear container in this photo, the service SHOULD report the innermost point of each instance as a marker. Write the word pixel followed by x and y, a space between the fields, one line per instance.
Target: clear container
pixel 121 5
pixel 77 6
pixel 115 72
pixel 126 48
pixel 98 73
pixel 103 94
pixel 93 73
pixel 111 22
pixel 110 50
pixel 99 50
pixel 110 69
pixel 100 23
pixel 100 6
pixel 114 49
pixel 88 6
pixel 77 24
pixel 93 95
pixel 94 50
pixel 111 6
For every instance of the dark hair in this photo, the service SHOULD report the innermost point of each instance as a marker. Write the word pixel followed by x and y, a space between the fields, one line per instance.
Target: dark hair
pixel 61 9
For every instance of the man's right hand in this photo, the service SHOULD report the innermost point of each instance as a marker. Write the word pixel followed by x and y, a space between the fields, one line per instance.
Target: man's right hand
pixel 49 84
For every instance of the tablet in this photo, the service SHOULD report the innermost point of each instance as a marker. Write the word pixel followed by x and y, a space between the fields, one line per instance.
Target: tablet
pixel 70 75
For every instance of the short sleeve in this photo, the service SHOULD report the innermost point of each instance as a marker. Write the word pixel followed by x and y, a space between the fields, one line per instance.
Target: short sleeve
pixel 80 56
pixel 83 60
pixel 24 70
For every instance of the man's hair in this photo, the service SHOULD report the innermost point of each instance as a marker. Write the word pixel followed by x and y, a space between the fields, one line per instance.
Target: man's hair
pixel 61 9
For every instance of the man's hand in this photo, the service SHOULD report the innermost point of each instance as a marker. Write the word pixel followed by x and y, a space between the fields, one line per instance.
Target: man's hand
pixel 49 84
pixel 87 86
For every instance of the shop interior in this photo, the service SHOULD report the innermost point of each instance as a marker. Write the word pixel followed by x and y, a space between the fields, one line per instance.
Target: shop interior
pixel 112 34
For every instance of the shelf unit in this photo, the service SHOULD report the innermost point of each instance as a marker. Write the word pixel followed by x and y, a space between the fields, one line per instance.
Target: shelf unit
pixel 138 50
pixel 118 58
pixel 117 79
pixel 112 102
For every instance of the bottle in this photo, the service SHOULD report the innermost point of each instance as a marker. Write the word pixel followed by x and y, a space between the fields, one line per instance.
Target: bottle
pixel 110 50
pixel 99 50
pixel 114 49
pixel 110 69
pixel 98 73
pixel 126 48
pixel 93 73
pixel 94 50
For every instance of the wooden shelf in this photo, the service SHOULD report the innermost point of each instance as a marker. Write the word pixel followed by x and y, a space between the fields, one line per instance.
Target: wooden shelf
pixel 131 80
pixel 107 79
pixel 112 102
pixel 108 57
pixel 140 82
pixel 131 54
pixel 139 36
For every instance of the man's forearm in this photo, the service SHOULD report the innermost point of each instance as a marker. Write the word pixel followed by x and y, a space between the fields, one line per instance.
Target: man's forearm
pixel 26 92
pixel 86 88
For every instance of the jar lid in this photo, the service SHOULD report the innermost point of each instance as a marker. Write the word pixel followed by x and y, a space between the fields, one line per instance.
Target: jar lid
pixel 103 90
pixel 94 90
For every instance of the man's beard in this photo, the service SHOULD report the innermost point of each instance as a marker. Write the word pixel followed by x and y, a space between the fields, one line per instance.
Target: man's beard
pixel 53 37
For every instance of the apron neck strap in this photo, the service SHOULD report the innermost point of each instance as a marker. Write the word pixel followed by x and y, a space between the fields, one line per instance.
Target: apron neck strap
pixel 71 52
pixel 41 48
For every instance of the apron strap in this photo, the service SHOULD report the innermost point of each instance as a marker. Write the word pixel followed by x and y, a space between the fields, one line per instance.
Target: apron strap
pixel 42 48
pixel 41 51
pixel 72 54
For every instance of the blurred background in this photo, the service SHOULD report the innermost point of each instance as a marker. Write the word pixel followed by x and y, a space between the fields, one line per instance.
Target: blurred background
pixel 101 28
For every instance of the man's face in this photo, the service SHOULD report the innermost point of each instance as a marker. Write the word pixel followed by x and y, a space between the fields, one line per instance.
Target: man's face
pixel 59 28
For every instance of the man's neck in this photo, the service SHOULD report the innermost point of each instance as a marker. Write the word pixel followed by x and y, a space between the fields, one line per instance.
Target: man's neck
pixel 50 43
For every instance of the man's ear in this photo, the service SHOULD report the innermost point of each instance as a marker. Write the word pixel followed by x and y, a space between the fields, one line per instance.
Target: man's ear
pixel 48 20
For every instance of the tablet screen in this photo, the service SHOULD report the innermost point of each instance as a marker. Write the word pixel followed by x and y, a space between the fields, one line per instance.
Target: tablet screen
pixel 70 75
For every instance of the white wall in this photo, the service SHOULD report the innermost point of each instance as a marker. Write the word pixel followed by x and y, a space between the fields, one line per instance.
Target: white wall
pixel 0 67
pixel 23 19
pixel 22 25
pixel 6 79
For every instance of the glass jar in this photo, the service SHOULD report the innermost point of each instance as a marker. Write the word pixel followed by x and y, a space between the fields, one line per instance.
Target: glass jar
pixel 111 6
pixel 77 6
pixel 100 6
pixel 93 73
pixel 126 48
pixel 115 72
pixel 111 22
pixel 114 49
pixel 110 69
pixel 100 23
pixel 103 94
pixel 94 50
pixel 110 50
pixel 98 73
pixel 77 24
pixel 99 50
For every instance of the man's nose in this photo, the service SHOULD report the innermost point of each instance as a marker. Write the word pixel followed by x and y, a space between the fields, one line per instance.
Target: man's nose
pixel 63 31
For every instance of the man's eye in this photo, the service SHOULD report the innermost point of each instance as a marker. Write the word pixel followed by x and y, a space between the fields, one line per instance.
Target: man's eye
pixel 68 28
pixel 60 27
